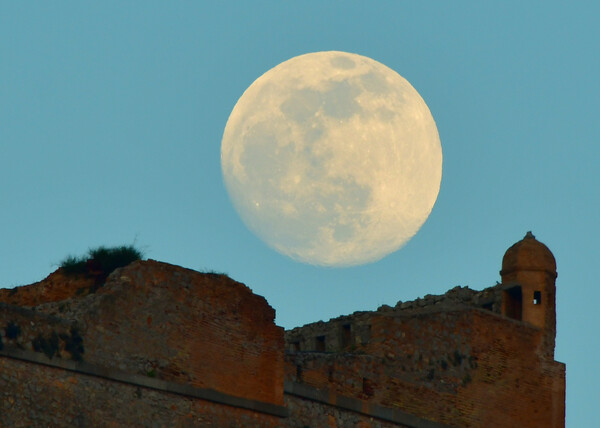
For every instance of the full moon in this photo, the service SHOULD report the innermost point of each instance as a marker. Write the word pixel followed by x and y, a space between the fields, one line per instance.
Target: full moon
pixel 332 159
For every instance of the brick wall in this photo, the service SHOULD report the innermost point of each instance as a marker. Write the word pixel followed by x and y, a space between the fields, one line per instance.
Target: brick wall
pixel 202 329
pixel 38 395
pixel 159 343
pixel 310 413
pixel 172 323
pixel 27 329
pixel 462 367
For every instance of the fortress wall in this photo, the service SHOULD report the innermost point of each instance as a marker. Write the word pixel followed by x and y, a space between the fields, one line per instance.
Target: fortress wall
pixel 183 326
pixel 159 345
pixel 516 383
pixel 353 332
pixel 39 391
pixel 27 329
pixel 475 359
pixel 467 367
pixel 38 395
pixel 58 286
pixel 414 363
pixel 432 348
pixel 310 413
pixel 164 321
pixel 498 374
pixel 342 374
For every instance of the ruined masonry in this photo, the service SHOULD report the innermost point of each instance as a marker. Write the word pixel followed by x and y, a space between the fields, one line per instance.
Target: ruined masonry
pixel 162 346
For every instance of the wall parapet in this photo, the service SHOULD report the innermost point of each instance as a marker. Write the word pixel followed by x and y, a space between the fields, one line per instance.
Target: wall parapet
pixel 89 369
pixel 353 332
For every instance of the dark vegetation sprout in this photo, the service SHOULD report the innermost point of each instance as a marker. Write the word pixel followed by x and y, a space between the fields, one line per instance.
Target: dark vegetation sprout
pixel 101 259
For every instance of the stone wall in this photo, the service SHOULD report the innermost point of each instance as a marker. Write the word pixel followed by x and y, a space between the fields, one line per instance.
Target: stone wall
pixel 40 395
pixel 39 391
pixel 160 345
pixel 452 363
pixel 516 383
pixel 311 413
pixel 171 323
pixel 351 332
pixel 57 286
pixel 27 329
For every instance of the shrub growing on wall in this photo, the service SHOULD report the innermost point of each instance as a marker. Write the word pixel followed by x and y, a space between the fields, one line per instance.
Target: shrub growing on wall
pixel 103 259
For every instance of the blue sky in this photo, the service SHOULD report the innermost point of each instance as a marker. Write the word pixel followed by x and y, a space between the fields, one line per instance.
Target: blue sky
pixel 111 117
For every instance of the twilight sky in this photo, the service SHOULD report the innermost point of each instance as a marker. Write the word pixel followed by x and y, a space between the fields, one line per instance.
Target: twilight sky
pixel 111 118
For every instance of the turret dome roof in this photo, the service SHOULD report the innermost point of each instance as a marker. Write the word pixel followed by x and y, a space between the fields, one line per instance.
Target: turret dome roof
pixel 528 254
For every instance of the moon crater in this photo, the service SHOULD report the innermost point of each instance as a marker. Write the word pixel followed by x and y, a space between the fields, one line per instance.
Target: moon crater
pixel 332 159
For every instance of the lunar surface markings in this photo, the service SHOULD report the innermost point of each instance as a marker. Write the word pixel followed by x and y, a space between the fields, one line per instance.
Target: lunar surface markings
pixel 332 159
